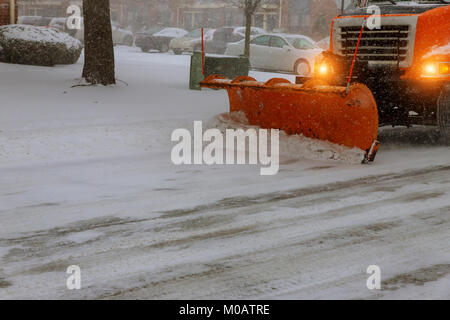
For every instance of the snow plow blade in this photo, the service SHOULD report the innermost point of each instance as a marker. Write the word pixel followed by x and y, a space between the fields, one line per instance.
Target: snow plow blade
pixel 314 109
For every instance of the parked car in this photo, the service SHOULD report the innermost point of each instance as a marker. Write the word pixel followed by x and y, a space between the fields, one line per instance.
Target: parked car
pixel 159 40
pixel 120 35
pixel 225 35
pixel 279 52
pixel 191 41
pixel 36 21
pixel 58 24
pixel 150 29
pixel 324 43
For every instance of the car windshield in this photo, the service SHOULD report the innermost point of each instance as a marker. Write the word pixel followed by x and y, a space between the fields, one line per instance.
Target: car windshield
pixel 197 33
pixel 301 43
pixel 58 20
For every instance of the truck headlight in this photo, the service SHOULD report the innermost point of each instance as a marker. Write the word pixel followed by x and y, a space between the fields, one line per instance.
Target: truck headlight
pixel 444 68
pixel 322 69
pixel 436 69
pixel 430 69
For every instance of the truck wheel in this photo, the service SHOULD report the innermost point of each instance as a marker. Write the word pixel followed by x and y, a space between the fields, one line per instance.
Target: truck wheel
pixel 145 49
pixel 302 68
pixel 177 52
pixel 443 114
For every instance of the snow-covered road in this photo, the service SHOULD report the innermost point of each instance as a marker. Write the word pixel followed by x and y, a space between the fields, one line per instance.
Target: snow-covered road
pixel 86 179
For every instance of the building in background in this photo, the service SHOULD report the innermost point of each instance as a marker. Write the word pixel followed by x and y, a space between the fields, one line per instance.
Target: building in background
pixel 5 11
pixel 312 18
pixel 132 13
pixel 309 17
pixel 215 14
pixel 43 8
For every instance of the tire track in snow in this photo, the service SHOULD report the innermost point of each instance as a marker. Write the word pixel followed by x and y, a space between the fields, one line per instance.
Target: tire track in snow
pixel 323 244
pixel 240 202
pixel 269 248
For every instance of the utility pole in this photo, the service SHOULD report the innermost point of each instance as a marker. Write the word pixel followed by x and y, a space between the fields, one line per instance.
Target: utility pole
pixel 12 11
pixel 280 25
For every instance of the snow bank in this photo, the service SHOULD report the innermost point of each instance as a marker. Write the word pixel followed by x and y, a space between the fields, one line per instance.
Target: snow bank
pixel 292 147
pixel 39 34
pixel 32 45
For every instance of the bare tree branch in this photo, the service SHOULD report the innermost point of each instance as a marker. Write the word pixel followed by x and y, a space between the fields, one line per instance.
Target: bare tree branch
pixel 249 8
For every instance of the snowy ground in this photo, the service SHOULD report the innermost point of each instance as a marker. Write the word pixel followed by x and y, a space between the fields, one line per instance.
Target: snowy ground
pixel 86 179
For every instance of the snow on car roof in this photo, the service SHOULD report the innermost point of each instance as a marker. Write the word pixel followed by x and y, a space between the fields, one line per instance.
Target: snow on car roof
pixel 176 32
pixel 287 35
pixel 242 30
pixel 59 19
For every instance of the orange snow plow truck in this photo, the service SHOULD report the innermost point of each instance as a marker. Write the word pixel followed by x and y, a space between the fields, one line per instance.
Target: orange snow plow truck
pixel 396 73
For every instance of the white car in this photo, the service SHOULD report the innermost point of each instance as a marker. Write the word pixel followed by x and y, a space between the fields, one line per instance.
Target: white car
pixel 279 52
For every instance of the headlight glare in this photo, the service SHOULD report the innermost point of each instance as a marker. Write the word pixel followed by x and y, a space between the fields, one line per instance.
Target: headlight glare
pixel 430 69
pixel 444 68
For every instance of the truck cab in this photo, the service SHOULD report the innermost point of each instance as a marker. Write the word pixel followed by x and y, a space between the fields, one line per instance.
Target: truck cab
pixel 405 61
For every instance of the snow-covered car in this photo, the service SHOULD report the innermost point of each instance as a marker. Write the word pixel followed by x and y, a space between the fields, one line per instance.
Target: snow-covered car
pixel 120 35
pixel 279 52
pixel 159 40
pixel 225 35
pixel 191 41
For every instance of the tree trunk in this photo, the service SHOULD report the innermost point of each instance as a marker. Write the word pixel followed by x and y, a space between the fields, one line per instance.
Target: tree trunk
pixel 98 43
pixel 248 28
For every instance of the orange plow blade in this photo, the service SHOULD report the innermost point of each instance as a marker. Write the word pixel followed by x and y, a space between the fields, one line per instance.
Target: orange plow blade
pixel 314 109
